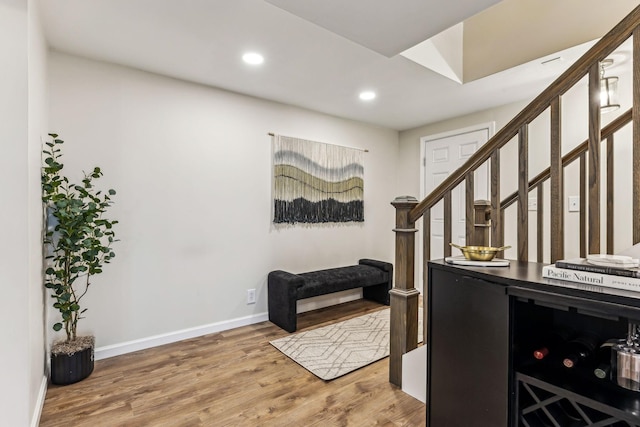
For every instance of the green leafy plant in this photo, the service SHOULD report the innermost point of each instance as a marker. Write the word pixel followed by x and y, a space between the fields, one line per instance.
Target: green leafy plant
pixel 77 238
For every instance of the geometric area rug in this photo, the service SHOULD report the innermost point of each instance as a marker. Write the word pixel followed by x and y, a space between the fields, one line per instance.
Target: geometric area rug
pixel 334 350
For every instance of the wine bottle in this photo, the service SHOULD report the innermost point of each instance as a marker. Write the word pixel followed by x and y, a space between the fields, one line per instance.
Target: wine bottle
pixel 551 342
pixel 578 349
pixel 603 358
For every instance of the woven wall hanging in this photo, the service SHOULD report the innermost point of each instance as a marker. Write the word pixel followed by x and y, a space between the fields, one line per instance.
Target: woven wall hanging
pixel 314 182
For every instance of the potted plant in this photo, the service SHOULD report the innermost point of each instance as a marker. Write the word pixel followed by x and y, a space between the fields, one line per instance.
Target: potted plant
pixel 77 242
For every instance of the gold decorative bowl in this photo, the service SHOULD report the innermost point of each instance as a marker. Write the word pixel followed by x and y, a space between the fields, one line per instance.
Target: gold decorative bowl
pixel 479 253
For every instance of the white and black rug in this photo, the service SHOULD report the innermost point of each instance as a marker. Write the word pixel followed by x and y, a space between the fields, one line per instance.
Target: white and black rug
pixel 334 350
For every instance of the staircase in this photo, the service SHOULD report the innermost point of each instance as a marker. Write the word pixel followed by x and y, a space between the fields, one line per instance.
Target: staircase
pixel 595 175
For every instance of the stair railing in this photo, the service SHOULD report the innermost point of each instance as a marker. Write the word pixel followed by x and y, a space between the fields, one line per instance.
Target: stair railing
pixel 578 153
pixel 404 296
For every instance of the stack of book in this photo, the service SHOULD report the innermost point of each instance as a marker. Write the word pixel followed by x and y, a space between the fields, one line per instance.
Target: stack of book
pixel 597 271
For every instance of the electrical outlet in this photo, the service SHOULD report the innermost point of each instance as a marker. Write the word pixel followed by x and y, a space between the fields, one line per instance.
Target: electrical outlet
pixel 574 203
pixel 251 296
pixel 533 204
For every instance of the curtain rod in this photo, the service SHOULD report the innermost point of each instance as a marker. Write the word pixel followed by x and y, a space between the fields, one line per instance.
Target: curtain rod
pixel 361 149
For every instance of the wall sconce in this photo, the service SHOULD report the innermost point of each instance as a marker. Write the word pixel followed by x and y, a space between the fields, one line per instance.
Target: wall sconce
pixel 608 89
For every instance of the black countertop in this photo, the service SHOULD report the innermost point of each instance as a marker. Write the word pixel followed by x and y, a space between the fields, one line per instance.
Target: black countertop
pixel 523 278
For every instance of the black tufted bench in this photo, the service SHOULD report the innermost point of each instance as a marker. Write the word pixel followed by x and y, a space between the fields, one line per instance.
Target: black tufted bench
pixel 285 289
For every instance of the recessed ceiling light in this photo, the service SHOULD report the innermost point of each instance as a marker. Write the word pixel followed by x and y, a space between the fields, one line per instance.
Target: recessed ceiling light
pixel 367 95
pixel 253 58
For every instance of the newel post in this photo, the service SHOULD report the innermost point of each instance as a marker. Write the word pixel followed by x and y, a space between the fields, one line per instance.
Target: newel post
pixel 481 223
pixel 404 297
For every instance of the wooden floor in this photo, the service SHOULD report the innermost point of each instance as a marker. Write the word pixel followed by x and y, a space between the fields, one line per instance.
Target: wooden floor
pixel 232 378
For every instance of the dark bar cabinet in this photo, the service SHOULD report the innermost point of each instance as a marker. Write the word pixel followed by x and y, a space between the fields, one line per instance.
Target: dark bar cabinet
pixel 484 366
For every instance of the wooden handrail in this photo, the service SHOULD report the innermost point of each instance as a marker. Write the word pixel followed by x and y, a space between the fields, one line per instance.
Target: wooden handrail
pixel 604 47
pixel 404 294
pixel 571 156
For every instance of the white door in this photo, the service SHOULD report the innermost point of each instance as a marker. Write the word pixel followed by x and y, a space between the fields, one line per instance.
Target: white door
pixel 442 155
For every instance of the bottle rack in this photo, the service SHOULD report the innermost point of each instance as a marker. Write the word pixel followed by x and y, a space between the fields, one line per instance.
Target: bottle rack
pixel 542 403
pixel 548 394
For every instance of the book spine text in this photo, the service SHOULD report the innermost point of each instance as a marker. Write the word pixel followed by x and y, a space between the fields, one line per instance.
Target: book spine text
pixel 590 278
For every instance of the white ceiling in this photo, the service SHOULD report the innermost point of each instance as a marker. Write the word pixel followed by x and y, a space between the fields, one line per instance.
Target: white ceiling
pixel 305 64
pixel 388 27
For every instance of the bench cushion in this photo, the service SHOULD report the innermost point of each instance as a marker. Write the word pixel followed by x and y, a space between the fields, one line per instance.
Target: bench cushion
pixel 339 279
pixel 285 289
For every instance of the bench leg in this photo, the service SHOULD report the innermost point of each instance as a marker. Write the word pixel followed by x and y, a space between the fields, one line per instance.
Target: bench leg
pixel 284 317
pixel 377 293
pixel 282 302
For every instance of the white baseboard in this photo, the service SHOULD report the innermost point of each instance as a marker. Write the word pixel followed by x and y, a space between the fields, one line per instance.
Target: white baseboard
pixel 37 410
pixel 171 337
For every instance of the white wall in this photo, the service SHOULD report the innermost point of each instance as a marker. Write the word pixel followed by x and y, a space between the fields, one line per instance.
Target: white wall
pixel 191 166
pixel 574 132
pixel 22 63
pixel 14 399
pixel 38 111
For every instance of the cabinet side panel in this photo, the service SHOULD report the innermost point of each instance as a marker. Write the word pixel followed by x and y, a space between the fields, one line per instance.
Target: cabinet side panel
pixel 468 352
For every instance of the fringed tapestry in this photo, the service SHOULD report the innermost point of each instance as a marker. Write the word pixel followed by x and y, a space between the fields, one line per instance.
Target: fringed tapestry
pixel 316 182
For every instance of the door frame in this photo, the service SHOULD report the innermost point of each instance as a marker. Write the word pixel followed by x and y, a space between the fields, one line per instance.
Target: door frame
pixel 490 127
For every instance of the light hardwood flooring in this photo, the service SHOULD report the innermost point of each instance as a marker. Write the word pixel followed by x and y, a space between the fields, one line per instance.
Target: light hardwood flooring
pixel 232 378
